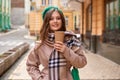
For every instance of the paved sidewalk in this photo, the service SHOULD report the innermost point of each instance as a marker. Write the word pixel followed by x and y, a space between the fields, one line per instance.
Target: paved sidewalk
pixel 8 32
pixel 97 68
pixel 14 28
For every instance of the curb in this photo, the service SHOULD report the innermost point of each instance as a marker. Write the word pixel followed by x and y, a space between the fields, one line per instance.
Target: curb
pixel 9 57
pixel 11 31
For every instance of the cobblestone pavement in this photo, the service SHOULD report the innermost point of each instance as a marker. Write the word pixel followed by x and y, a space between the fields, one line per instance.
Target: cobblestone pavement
pixel 97 68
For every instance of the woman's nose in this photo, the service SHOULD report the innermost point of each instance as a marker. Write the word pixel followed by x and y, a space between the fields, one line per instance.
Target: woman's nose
pixel 55 20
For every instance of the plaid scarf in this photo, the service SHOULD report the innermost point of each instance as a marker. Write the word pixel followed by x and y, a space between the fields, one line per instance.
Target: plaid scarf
pixel 57 62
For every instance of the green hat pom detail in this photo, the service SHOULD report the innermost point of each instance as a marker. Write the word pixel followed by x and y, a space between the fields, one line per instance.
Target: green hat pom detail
pixel 49 8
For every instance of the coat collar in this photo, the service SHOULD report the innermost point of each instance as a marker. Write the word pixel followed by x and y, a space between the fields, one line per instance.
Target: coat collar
pixel 50 39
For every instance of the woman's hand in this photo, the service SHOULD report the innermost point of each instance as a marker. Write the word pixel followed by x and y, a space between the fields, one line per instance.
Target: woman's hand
pixel 59 46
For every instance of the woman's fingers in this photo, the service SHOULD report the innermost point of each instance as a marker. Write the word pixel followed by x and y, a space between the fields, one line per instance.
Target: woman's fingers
pixel 59 42
pixel 59 46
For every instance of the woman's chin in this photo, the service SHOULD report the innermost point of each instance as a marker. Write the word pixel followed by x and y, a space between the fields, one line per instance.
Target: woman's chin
pixel 55 29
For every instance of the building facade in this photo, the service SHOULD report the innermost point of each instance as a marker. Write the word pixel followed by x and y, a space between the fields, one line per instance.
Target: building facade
pixel 101 27
pixel 27 11
pixel 112 22
pixel 5 11
pixel 17 3
pixel 18 12
pixel 37 6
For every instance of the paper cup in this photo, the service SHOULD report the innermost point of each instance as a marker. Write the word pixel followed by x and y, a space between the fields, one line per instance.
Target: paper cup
pixel 59 36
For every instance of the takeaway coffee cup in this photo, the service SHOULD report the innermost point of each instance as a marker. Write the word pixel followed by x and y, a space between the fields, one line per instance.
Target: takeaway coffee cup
pixel 59 36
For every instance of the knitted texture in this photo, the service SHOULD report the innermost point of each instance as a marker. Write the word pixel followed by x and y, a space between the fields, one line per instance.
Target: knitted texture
pixel 48 9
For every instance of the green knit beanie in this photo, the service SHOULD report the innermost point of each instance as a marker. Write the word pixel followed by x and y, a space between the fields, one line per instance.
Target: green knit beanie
pixel 48 9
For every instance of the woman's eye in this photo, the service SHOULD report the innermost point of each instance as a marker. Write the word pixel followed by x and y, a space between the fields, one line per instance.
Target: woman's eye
pixel 51 18
pixel 58 18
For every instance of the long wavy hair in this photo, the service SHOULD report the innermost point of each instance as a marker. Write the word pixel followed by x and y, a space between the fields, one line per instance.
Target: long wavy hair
pixel 45 29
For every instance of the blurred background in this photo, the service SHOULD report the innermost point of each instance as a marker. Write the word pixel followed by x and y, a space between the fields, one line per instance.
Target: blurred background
pixel 95 22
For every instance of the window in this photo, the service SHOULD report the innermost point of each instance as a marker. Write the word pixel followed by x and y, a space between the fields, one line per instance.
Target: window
pixel 0 5
pixel 79 20
pixel 31 8
pixel 50 2
pixel 0 15
pixel 66 21
pixel 89 18
pixel 64 3
pixel 112 15
pixel 75 24
pixel 43 2
pixel 107 16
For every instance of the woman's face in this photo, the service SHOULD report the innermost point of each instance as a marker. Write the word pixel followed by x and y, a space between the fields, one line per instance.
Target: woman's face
pixel 55 21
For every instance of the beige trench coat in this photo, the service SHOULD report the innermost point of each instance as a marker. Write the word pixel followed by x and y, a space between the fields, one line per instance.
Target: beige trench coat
pixel 40 56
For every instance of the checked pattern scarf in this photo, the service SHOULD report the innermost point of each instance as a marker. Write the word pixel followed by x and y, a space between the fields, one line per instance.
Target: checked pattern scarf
pixel 57 62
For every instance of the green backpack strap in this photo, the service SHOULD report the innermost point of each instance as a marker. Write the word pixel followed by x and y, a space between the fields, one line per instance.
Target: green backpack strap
pixel 75 74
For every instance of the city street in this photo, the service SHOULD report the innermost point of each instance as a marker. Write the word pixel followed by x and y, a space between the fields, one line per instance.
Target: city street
pixel 96 22
pixel 97 66
pixel 13 38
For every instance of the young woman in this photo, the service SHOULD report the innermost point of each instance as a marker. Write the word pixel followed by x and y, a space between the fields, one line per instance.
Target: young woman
pixel 56 57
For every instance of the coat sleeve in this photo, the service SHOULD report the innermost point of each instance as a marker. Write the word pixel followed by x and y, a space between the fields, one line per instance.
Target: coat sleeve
pixel 32 65
pixel 75 57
